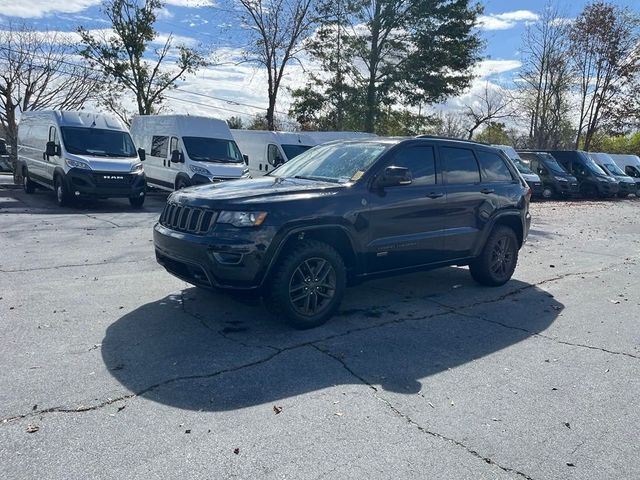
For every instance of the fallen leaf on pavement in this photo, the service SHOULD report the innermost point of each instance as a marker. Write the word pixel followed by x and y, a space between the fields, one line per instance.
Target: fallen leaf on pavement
pixel 31 428
pixel 277 409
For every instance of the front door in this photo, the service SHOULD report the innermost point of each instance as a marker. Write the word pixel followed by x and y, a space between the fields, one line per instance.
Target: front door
pixel 405 221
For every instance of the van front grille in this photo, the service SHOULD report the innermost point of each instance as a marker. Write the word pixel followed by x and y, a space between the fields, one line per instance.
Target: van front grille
pixel 184 218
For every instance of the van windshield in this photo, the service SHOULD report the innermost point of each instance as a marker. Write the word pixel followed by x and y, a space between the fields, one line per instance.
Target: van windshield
pixel 292 151
pixel 97 141
pixel 522 168
pixel 614 169
pixel 593 166
pixel 218 150
pixel 552 164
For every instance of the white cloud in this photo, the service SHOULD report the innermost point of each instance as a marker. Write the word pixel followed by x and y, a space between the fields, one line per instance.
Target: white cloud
pixel 487 68
pixel 177 40
pixel 40 8
pixel 190 3
pixel 506 20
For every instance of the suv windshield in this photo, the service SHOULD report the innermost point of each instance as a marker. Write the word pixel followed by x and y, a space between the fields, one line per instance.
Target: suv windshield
pixel 292 151
pixel 522 168
pixel 97 141
pixel 202 149
pixel 339 162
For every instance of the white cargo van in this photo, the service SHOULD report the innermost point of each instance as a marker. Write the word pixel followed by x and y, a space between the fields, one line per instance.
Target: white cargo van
pixel 185 150
pixel 79 154
pixel 266 150
pixel 629 163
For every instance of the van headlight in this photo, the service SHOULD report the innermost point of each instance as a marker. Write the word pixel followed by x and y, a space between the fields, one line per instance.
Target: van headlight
pixel 246 173
pixel 138 168
pixel 199 170
pixel 77 164
pixel 561 179
pixel 242 219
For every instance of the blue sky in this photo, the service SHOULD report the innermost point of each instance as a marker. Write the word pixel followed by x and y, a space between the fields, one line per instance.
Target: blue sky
pixel 214 24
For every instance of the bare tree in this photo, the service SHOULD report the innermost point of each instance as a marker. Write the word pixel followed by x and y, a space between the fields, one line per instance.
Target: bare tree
pixel 124 55
pixel 279 28
pixel 604 47
pixel 449 124
pixel 546 79
pixel 491 105
pixel 35 74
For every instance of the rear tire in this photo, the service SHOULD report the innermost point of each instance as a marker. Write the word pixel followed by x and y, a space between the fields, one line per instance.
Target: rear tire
pixel 137 202
pixel 62 195
pixel 308 285
pixel 28 185
pixel 498 260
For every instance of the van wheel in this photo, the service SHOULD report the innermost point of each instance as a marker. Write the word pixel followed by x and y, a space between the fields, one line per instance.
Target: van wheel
pixel 498 260
pixel 28 185
pixel 62 195
pixel 308 285
pixel 180 184
pixel 548 192
pixel 137 202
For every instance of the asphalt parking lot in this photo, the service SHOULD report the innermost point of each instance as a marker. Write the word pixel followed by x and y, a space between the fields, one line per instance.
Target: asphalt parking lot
pixel 112 368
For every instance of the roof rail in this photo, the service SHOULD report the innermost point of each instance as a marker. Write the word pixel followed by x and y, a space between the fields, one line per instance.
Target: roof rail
pixel 438 137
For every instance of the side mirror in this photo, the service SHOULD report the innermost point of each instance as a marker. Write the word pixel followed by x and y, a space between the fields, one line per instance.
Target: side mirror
pixel 246 159
pixel 177 156
pixel 395 176
pixel 142 154
pixel 52 149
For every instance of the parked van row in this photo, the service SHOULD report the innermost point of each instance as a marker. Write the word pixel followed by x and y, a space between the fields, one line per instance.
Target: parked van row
pixel 569 173
pixel 81 154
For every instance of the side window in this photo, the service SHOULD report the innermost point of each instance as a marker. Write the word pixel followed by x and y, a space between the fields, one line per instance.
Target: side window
pixel 173 144
pixel 420 160
pixel 631 171
pixel 579 169
pixel 460 165
pixel 493 168
pixel 159 146
pixel 53 135
pixel 273 155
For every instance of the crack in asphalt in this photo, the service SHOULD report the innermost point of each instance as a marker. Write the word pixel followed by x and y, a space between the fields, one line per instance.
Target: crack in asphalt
pixel 408 419
pixel 71 265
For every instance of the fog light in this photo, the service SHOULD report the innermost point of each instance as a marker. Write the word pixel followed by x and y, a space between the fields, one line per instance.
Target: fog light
pixel 141 194
pixel 77 194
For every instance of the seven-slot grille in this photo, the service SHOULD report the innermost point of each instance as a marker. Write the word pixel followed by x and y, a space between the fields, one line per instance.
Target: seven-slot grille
pixel 187 219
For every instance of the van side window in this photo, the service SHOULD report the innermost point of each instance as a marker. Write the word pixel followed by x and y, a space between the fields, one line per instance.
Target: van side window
pixel 159 146
pixel 174 145
pixel 273 154
pixel 53 135
pixel 460 165
pixel 493 168
pixel 421 162
pixel 632 171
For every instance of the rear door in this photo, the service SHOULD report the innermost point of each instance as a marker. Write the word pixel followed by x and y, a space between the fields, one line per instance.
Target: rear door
pixel 406 221
pixel 466 199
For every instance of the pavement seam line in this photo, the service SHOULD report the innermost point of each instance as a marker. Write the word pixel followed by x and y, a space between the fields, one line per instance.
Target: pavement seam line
pixel 408 419
pixel 72 265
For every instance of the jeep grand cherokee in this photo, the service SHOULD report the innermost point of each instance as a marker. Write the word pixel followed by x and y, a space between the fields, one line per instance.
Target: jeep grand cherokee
pixel 345 212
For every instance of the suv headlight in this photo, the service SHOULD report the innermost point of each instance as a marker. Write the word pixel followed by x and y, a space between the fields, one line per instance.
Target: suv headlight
pixel 77 164
pixel 138 168
pixel 199 170
pixel 242 219
pixel 561 179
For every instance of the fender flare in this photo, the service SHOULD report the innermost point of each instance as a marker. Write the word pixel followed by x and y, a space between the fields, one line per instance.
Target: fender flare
pixel 181 176
pixel 511 214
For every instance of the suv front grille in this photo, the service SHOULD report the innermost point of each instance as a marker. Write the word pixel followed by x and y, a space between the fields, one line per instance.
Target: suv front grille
pixel 184 218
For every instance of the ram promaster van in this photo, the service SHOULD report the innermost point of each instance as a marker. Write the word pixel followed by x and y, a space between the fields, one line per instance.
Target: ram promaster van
pixel 185 150
pixel 606 163
pixel 266 150
pixel 629 163
pixel 78 154
pixel 533 180
pixel 556 182
pixel 592 180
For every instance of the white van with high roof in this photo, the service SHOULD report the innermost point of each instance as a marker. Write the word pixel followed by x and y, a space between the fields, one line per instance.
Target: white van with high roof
pixel 629 163
pixel 186 150
pixel 266 150
pixel 79 154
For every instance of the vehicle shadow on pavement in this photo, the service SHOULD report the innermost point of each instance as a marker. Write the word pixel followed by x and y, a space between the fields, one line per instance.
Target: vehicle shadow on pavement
pixel 199 350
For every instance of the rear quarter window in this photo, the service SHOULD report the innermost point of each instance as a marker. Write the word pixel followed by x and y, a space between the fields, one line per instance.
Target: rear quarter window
pixel 493 168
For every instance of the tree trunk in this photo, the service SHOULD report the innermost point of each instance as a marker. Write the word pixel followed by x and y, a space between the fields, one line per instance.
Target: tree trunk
pixel 271 124
pixel 371 106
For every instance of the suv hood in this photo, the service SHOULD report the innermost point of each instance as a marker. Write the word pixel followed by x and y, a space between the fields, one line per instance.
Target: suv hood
pixel 258 190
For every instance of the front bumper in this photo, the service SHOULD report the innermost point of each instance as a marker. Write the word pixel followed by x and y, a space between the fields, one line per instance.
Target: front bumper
pixel 628 188
pixel 227 257
pixel 608 189
pixel 92 183
pixel 568 188
pixel 536 188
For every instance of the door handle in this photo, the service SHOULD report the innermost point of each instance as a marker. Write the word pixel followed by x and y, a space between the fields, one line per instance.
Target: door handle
pixel 435 195
pixel 487 191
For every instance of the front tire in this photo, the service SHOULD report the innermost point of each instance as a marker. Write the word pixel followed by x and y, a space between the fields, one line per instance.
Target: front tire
pixel 63 198
pixel 137 202
pixel 548 192
pixel 308 285
pixel 27 184
pixel 498 260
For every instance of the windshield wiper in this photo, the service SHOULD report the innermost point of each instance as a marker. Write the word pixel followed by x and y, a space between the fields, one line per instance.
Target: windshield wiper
pixel 317 179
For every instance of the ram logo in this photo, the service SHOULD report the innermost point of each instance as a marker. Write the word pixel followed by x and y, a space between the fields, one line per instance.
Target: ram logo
pixel 113 177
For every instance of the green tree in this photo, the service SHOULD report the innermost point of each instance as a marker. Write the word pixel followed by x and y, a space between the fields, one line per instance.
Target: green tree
pixel 495 133
pixel 235 122
pixel 123 55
